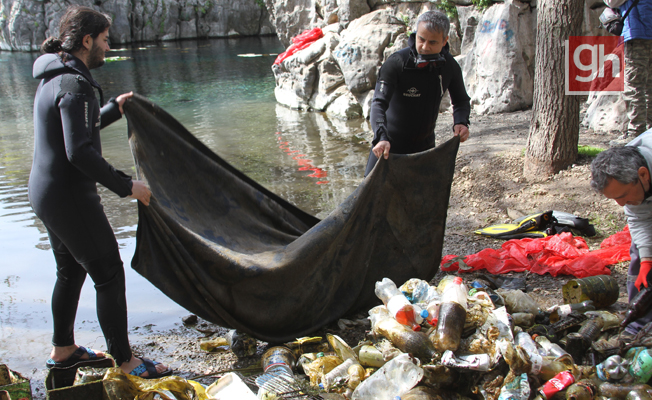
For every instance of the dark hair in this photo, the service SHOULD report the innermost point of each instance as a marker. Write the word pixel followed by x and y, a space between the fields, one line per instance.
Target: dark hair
pixel 77 22
pixel 619 163
pixel 435 21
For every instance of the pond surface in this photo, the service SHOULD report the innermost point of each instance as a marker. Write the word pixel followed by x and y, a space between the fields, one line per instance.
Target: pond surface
pixel 222 90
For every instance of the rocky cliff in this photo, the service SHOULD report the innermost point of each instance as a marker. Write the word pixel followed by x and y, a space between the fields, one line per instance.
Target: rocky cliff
pixel 495 46
pixel 24 24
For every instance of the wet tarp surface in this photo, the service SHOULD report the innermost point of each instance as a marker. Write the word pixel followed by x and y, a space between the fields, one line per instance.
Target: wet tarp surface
pixel 230 251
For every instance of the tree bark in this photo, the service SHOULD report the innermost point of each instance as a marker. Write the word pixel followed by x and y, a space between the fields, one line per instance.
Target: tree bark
pixel 554 130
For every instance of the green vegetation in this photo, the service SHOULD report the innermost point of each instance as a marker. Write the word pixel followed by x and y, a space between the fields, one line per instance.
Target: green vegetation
pixel 261 3
pixel 482 4
pixel 406 20
pixel 588 151
pixel 449 8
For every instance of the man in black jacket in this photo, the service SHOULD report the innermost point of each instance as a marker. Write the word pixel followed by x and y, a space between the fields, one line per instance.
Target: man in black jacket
pixel 67 165
pixel 410 86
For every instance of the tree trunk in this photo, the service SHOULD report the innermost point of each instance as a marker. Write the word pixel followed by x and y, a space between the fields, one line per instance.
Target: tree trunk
pixel 554 130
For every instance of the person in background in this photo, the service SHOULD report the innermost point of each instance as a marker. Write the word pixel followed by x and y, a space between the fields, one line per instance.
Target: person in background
pixel 67 165
pixel 623 174
pixel 637 34
pixel 410 86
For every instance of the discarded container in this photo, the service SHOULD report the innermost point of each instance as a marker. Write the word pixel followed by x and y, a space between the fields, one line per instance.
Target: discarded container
pixel 638 395
pixel 421 393
pixel 474 362
pixel 602 289
pixel 452 315
pixel 60 382
pixel 612 369
pixel 575 346
pixel 517 389
pixel 230 386
pixel 610 319
pixel 639 304
pixel 518 301
pixel 582 390
pixel 621 390
pixel 319 367
pixel 552 349
pixel 394 379
pixel 406 340
pixel 278 358
pixel 640 364
pixel 241 344
pixel 591 330
pixel 433 312
pixel 337 376
pixel 562 311
pixel 398 305
pixel 370 356
pixel 14 384
pixel 341 348
pixel 558 383
pixel 524 320
pixel 213 344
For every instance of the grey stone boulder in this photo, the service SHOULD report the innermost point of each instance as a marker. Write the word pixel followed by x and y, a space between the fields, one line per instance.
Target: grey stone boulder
pixel 499 66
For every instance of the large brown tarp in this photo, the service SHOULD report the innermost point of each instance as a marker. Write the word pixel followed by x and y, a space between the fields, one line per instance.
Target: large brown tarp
pixel 230 251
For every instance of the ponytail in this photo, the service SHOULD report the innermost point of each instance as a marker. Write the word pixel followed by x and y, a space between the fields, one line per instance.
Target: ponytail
pixel 51 45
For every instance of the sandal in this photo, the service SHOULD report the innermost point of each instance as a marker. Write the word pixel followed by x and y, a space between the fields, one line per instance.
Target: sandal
pixel 149 366
pixel 75 358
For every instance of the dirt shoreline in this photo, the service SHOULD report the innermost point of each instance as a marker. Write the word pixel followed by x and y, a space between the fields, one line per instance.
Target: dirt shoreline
pixel 488 188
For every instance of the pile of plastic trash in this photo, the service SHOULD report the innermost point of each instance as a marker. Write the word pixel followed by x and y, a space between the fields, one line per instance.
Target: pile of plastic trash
pixel 445 342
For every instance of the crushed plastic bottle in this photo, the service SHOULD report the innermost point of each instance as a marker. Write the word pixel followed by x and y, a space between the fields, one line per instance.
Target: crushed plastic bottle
pixel 474 362
pixel 338 376
pixel 612 369
pixel 397 304
pixel 517 301
pixel 552 349
pixel 452 315
pixel 516 389
pixel 393 379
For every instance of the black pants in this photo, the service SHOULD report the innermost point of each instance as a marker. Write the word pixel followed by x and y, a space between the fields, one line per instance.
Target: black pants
pixel 632 273
pixel 107 273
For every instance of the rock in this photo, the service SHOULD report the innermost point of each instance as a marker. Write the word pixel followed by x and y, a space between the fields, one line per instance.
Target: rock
pixel 25 24
pixel 499 67
pixel 345 106
pixel 291 17
pixel 606 113
pixel 359 53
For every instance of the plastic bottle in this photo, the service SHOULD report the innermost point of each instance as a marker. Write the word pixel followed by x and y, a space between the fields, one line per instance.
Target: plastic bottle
pixel 278 358
pixel 452 314
pixel 620 390
pixel 551 366
pixel 393 379
pixel 397 304
pixel 612 369
pixel 517 389
pixel 356 374
pixel 552 349
pixel 433 312
pixel 337 376
pixel 474 362
pixel 638 395
pixel 639 304
pixel 517 301
pixel 370 356
pixel 524 340
pixel 406 340
pixel 565 309
pixel 523 319
pixel 640 364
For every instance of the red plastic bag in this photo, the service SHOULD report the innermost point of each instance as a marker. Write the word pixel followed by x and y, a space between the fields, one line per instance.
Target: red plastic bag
pixel 300 42
pixel 562 254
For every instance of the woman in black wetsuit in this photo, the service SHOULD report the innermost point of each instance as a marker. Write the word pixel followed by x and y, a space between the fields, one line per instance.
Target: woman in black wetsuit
pixel 67 165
